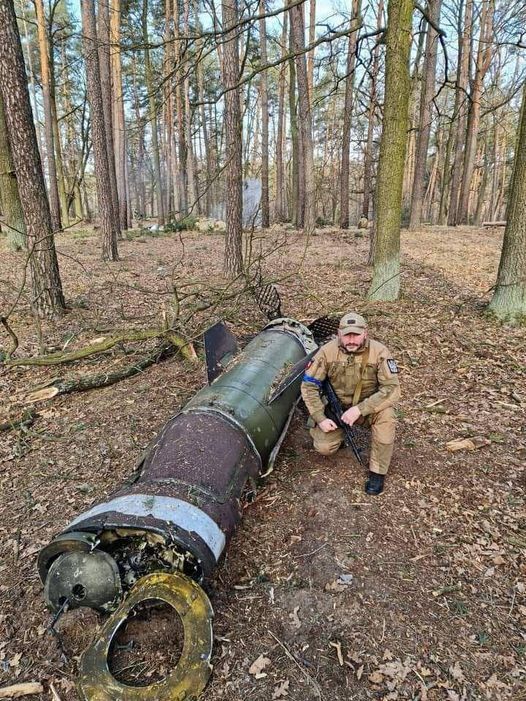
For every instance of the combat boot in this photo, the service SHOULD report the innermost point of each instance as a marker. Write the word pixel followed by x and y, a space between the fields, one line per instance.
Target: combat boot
pixel 374 484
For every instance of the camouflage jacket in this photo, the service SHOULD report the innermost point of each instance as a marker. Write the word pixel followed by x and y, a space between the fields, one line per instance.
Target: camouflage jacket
pixel 373 366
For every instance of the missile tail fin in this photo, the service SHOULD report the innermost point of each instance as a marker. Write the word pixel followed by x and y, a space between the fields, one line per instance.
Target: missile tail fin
pixel 220 346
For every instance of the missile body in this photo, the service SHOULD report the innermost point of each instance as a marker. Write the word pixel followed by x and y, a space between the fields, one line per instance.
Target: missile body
pixel 184 503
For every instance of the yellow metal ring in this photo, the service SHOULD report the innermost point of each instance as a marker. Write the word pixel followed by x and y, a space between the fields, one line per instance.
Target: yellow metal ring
pixel 190 676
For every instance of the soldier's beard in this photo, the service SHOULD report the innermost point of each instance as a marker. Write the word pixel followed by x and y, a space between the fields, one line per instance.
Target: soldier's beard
pixel 354 348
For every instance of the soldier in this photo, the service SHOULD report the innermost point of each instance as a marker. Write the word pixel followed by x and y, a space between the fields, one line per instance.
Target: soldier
pixel 365 378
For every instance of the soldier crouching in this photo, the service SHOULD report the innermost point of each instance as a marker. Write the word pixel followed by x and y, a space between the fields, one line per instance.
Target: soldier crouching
pixel 364 376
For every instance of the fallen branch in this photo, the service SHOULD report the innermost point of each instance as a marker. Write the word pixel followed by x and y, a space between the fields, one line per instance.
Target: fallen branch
pixel 13 336
pixel 104 345
pixel 25 419
pixel 15 691
pixel 86 382
pixel 493 223
pixel 291 657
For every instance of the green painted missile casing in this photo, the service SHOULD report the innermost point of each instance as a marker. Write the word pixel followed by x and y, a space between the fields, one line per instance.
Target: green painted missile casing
pixel 242 392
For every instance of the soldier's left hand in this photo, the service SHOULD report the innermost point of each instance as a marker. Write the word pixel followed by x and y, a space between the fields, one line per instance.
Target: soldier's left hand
pixel 351 415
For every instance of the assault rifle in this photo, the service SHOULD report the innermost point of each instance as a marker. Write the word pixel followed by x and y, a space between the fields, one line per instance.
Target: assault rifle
pixel 335 411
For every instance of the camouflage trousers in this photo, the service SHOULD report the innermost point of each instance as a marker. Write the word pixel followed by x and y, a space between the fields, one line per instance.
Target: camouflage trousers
pixel 382 425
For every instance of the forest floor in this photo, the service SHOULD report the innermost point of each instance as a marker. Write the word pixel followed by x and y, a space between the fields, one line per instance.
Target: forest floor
pixel 432 605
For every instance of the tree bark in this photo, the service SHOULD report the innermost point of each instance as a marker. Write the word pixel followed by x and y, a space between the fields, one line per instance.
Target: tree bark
pixel 57 143
pixel 297 200
pixel 484 53
pixel 193 195
pixel 46 288
pixel 347 113
pixel 33 92
pixel 509 299
pixel 263 87
pixel 11 205
pixel 310 54
pixel 54 200
pixel 103 36
pixel 152 105
pixel 109 232
pixel 280 202
pixel 368 157
pixel 385 284
pixel 297 26
pixel 233 261
pixel 182 174
pixel 459 111
pixel 416 78
pixel 426 106
pixel 119 132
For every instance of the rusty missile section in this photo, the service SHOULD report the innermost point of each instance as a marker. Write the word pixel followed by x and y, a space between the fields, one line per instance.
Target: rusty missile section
pixel 178 514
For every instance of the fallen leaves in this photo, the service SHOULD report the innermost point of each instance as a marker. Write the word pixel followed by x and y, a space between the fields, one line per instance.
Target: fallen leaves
pixel 340 584
pixel 281 690
pixel 295 620
pixel 257 667
pixel 467 444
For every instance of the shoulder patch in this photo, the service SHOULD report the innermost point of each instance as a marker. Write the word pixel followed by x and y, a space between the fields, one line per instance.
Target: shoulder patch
pixel 391 364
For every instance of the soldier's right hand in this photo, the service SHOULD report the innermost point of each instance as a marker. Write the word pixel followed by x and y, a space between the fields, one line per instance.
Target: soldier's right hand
pixel 327 425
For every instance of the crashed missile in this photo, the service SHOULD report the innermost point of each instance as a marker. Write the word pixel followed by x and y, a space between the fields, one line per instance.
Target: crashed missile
pixel 178 513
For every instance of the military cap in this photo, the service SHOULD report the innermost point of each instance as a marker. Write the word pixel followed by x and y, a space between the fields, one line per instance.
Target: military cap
pixel 352 323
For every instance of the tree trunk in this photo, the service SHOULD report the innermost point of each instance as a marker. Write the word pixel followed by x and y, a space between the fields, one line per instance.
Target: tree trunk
pixel 509 299
pixel 310 55
pixel 429 197
pixel 208 146
pixel 152 105
pixel 263 87
pixel 416 78
pixel 33 92
pixel 296 200
pixel 11 205
pixel 54 200
pixel 479 211
pixel 46 288
pixel 459 110
pixel 193 194
pixel 103 36
pixel 59 161
pixel 445 178
pixel 280 202
pixel 484 54
pixel 182 174
pixel 109 232
pixel 347 114
pixel 297 26
pixel 119 133
pixel 426 105
pixel 385 284
pixel 233 261
pixel 369 148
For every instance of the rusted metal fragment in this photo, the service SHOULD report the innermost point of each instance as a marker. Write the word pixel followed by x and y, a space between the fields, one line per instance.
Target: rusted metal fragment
pixel 190 676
